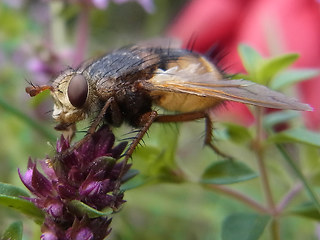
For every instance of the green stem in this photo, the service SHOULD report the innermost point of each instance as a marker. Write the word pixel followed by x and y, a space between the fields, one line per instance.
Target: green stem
pixel 264 175
pixel 261 163
pixel 275 229
pixel 238 196
pixel 25 118
pixel 295 168
pixel 288 197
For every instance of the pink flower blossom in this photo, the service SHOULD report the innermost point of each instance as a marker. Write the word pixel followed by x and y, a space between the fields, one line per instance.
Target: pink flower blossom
pixel 272 27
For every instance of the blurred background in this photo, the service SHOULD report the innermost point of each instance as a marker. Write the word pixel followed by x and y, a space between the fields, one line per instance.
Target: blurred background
pixel 39 39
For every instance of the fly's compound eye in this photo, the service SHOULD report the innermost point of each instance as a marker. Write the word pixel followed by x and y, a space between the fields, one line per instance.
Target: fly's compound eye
pixel 78 90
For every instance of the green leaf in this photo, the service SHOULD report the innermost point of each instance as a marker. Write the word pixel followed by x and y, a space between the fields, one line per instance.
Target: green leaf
pixel 134 183
pixel 308 210
pixel 23 206
pixel 227 172
pixel 238 133
pixel 13 232
pixel 10 190
pixel 250 58
pixel 129 175
pixel 292 76
pixel 297 135
pixel 243 226
pixel 239 76
pixel 84 209
pixel 270 67
pixel 158 152
pixel 10 196
pixel 274 118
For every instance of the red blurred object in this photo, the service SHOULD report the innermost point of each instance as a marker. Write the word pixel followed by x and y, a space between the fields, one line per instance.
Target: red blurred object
pixel 272 27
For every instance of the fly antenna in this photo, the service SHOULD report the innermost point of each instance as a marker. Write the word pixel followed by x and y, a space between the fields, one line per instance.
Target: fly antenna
pixel 34 90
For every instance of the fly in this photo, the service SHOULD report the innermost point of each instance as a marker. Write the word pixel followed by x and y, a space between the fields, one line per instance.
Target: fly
pixel 124 85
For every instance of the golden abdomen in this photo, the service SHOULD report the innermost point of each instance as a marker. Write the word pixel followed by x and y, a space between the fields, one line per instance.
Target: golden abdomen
pixel 183 102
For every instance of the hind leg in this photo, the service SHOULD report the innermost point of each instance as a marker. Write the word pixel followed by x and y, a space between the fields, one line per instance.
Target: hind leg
pixel 208 138
pixel 185 117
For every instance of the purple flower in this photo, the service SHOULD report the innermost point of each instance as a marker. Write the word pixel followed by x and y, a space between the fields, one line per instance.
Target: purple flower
pixel 14 3
pixel 45 63
pixel 90 174
pixel 148 5
pixel 101 4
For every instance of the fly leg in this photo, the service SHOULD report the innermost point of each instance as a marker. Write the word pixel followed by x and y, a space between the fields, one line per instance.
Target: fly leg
pixel 93 126
pixel 70 129
pixel 145 121
pixel 181 117
pixel 99 118
pixel 208 138
pixel 184 117
pixel 148 118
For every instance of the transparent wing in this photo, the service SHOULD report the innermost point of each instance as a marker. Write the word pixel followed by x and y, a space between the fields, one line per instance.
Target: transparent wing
pixel 207 85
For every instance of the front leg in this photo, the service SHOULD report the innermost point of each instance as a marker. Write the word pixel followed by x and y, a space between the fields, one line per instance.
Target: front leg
pixel 69 129
pixel 116 116
pixel 93 126
pixel 145 121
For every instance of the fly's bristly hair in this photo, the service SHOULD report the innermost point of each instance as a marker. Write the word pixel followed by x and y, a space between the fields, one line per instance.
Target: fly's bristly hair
pixel 173 126
pixel 191 42
pixel 215 53
pixel 131 132
pixel 30 82
pixel 49 112
pixel 143 144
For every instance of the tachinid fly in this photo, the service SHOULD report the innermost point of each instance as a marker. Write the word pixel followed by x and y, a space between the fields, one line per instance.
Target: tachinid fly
pixel 124 85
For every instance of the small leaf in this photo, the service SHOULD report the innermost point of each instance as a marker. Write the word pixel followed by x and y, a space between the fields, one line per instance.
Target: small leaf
pixel 13 232
pixel 315 177
pixel 227 172
pixel 23 206
pixel 250 58
pixel 10 190
pixel 239 76
pixel 308 210
pixel 270 67
pixel 243 226
pixel 238 133
pixel 292 76
pixel 297 135
pixel 134 183
pixel 84 209
pixel 159 150
pixel 274 118
pixel 129 175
